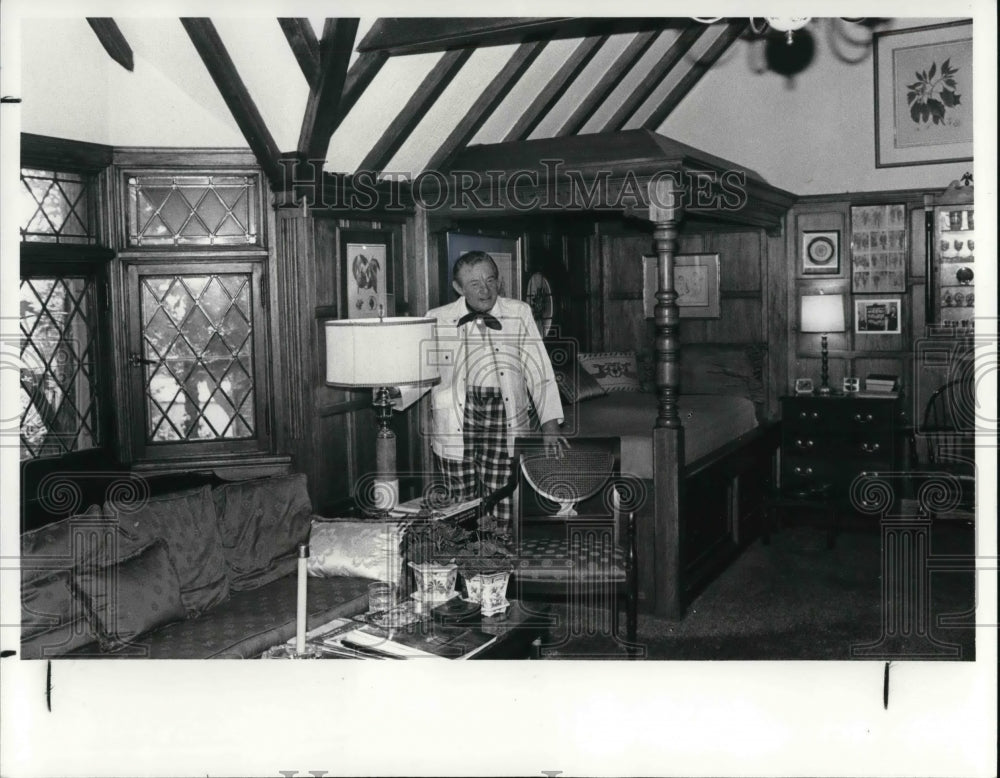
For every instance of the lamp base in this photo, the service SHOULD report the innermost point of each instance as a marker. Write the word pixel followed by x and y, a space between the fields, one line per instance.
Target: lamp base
pixel 824 391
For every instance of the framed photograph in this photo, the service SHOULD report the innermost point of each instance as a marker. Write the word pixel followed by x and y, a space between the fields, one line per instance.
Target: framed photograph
pixel 923 95
pixel 821 253
pixel 506 252
pixel 852 384
pixel 878 249
pixel 367 273
pixel 803 386
pixel 878 317
pixel 696 280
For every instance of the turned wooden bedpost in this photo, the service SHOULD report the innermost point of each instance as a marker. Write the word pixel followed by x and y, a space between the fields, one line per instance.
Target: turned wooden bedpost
pixel 665 212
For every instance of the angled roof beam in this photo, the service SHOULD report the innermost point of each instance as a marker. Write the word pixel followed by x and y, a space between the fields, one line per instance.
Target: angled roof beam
pixel 656 74
pixel 111 38
pixel 359 77
pixel 614 75
pixel 302 40
pixel 220 67
pixel 416 107
pixel 550 95
pixel 718 47
pixel 412 35
pixel 323 109
pixel 487 102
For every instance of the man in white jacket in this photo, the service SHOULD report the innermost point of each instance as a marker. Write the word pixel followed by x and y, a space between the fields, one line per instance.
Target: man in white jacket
pixel 496 383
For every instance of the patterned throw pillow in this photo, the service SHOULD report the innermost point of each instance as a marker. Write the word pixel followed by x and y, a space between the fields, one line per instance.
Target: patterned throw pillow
pixel 132 597
pixel 362 549
pixel 615 371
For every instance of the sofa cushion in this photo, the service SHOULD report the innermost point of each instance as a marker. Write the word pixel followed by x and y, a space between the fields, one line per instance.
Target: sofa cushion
pixel 186 521
pixel 131 597
pixel 262 522
pixel 74 636
pixel 615 371
pixel 366 549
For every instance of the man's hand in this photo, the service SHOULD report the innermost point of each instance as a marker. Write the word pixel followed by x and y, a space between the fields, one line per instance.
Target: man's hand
pixel 555 444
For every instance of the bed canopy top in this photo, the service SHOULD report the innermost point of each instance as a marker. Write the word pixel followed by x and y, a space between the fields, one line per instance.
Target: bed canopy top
pixel 610 172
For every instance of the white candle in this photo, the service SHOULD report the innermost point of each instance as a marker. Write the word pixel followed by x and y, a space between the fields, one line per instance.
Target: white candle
pixel 300 614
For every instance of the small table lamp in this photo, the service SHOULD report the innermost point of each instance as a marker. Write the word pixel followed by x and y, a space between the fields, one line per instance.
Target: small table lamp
pixel 377 354
pixel 823 313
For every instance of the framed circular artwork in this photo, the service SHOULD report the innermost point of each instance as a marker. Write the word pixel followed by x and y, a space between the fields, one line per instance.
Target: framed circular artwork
pixel 821 253
pixel 539 297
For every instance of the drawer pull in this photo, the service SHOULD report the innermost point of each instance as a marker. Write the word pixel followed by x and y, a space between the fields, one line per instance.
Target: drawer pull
pixel 799 470
pixel 870 448
pixel 804 443
pixel 808 415
pixel 863 419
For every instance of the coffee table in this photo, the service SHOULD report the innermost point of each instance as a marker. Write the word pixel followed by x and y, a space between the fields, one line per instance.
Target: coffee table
pixel 519 633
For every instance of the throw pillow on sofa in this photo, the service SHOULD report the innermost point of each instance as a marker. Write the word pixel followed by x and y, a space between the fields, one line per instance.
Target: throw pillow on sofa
pixel 186 521
pixel 131 597
pixel 262 522
pixel 359 549
pixel 615 371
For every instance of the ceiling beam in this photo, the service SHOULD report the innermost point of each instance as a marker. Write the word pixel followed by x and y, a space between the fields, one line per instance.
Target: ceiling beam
pixel 323 109
pixel 553 90
pixel 654 77
pixel 718 47
pixel 220 67
pixel 111 38
pixel 416 107
pixel 416 35
pixel 359 77
pixel 302 39
pixel 614 75
pixel 487 102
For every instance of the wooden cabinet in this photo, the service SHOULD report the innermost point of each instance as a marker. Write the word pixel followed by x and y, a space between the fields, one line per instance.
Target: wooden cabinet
pixel 952 256
pixel 828 441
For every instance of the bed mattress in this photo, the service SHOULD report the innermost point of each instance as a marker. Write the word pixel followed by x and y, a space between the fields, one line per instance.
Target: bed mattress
pixel 709 421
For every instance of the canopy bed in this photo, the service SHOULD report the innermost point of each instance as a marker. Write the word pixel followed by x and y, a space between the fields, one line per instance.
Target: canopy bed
pixel 696 489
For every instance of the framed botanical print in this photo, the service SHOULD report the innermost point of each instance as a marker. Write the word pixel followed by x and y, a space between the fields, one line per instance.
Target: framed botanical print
pixel 821 253
pixel 696 281
pixel 368 274
pixel 878 249
pixel 923 95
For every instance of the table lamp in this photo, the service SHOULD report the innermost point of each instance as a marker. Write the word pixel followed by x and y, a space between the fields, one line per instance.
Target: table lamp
pixel 823 313
pixel 377 354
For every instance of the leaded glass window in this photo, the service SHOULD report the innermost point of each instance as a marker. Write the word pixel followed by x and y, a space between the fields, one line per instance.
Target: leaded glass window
pixel 58 365
pixel 55 207
pixel 198 355
pixel 193 210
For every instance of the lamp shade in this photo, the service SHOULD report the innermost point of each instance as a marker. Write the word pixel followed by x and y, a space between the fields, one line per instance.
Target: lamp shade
pixel 367 353
pixel 822 313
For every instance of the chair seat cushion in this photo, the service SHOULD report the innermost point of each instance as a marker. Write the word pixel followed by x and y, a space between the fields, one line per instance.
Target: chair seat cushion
pixel 559 559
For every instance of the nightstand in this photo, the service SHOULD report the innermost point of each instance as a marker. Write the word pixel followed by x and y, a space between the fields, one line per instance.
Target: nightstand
pixel 831 440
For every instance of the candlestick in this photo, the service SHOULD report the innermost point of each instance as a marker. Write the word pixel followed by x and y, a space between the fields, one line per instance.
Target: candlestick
pixel 300 614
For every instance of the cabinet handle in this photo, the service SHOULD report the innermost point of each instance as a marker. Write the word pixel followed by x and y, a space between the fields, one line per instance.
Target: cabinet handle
pixel 870 448
pixel 807 415
pixel 803 443
pixel 863 419
pixel 799 470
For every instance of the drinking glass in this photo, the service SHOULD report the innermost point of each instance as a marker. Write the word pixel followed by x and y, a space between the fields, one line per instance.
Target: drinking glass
pixel 380 596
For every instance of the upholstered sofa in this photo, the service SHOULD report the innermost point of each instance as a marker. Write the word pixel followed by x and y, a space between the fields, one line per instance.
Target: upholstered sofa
pixel 195 574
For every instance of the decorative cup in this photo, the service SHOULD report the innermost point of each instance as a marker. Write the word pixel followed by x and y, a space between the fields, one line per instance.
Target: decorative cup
pixel 959 299
pixel 947 299
pixel 955 219
pixel 380 596
pixel 945 245
pixel 959 244
pixel 972 223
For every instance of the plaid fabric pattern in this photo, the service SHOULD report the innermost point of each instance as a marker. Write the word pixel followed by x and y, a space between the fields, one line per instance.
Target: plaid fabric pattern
pixel 486 466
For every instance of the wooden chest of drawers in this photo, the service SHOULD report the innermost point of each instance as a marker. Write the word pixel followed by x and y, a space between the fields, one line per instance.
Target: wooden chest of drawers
pixel 830 440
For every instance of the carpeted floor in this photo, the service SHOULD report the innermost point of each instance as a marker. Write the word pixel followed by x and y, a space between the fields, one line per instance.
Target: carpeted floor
pixel 795 599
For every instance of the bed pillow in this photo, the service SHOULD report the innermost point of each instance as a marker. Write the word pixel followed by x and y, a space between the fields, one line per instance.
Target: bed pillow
pixel 262 523
pixel 186 521
pixel 614 371
pixel 359 549
pixel 132 597
pixel 577 385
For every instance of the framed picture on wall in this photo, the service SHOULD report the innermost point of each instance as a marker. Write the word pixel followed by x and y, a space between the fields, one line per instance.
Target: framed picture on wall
pixel 696 280
pixel 367 272
pixel 821 253
pixel 923 95
pixel 506 253
pixel 878 249
pixel 878 317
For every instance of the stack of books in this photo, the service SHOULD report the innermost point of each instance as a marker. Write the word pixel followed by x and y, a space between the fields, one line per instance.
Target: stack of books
pixel 881 384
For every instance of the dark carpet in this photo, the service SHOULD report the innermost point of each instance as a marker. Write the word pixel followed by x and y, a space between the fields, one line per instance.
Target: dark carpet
pixel 795 599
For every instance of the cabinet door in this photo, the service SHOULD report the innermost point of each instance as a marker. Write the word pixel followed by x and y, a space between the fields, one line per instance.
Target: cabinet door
pixel 953 268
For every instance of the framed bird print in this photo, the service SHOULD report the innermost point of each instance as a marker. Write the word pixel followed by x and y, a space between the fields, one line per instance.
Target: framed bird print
pixel 367 273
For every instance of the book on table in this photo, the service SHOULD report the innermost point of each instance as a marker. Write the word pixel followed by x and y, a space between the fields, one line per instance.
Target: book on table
pixel 420 639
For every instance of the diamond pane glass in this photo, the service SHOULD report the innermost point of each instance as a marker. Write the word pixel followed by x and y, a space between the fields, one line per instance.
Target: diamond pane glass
pixel 195 210
pixel 197 336
pixel 58 366
pixel 54 207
